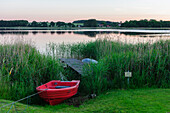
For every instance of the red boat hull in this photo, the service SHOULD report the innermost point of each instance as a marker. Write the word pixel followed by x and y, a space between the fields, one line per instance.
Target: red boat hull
pixel 55 96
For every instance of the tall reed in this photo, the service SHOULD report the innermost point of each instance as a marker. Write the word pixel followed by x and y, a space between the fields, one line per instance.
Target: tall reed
pixel 23 68
pixel 149 64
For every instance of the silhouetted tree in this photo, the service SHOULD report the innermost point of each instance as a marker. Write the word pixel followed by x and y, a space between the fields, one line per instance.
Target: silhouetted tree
pixel 146 23
pixel 70 24
pixel 60 24
pixel 90 23
pixel 34 24
pixel 52 24
pixel 44 24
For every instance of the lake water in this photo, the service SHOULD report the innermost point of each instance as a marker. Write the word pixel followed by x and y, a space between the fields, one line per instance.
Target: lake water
pixel 41 38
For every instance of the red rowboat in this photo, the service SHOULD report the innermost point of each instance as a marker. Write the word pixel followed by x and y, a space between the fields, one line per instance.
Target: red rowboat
pixel 57 91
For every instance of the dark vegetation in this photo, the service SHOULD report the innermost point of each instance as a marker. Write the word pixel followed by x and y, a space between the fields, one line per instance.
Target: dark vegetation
pixel 96 23
pixel 25 23
pixel 90 23
pixel 23 68
pixel 86 23
pixel 146 23
pixel 147 62
pixel 13 23
pixel 51 24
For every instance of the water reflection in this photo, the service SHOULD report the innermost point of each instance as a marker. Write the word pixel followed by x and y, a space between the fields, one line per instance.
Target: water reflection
pixel 43 37
pixel 87 33
pixel 52 32
pixel 44 32
pixel 136 33
pixel 69 32
pixel 14 32
pixel 91 34
pixel 34 32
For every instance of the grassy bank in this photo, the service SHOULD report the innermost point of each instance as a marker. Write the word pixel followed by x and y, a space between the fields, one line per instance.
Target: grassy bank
pixel 23 68
pixel 118 101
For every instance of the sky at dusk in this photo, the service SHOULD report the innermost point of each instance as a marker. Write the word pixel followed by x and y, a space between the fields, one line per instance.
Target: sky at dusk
pixel 70 10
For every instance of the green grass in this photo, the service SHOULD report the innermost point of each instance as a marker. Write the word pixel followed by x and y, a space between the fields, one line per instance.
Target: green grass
pixel 118 101
pixel 23 68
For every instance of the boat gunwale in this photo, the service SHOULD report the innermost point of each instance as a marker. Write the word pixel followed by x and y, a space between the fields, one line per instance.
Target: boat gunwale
pixel 69 88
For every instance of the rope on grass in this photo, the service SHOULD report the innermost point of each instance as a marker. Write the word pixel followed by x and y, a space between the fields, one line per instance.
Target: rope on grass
pixel 10 108
pixel 15 108
pixel 13 103
pixel 25 107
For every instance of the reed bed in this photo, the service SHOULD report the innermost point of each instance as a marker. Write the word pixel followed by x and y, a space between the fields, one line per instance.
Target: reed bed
pixel 148 62
pixel 23 68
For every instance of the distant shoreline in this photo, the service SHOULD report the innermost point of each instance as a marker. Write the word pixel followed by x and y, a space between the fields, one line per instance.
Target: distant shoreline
pixel 77 28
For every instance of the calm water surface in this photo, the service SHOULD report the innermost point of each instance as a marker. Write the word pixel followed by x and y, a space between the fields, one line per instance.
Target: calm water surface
pixel 41 38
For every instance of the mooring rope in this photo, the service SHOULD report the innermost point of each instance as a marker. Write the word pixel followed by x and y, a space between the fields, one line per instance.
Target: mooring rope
pixel 27 105
pixel 22 99
pixel 15 108
pixel 10 108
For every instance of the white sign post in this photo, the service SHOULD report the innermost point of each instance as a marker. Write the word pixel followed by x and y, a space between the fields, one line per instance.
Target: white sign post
pixel 128 75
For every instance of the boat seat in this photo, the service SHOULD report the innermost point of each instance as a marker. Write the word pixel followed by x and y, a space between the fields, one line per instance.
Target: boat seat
pixel 59 87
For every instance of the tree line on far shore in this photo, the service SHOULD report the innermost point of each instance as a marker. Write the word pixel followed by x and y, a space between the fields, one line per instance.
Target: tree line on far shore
pixel 13 23
pixel 86 23
pixel 25 23
pixel 146 23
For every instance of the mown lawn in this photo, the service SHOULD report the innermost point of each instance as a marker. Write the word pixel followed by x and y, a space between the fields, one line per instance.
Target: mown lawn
pixel 119 101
